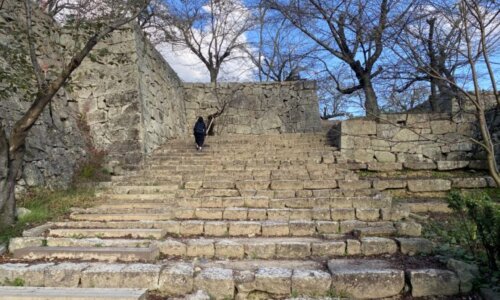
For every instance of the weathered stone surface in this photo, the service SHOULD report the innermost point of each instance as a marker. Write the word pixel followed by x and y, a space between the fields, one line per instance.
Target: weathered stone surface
pixel 469 182
pixel 420 165
pixel 310 282
pixel 64 274
pixel 451 165
pixel 467 273
pixel 260 249
pixel 72 293
pixel 408 228
pixel 177 279
pixel 383 184
pixel 229 249
pixel 171 248
pixel 276 281
pixel 24 242
pixel 384 166
pixel 365 279
pixel 200 248
pixel 429 185
pixel 413 246
pixel 31 275
pixel 328 249
pixel 359 127
pixel 217 282
pixel 353 247
pixel 433 282
pixel 293 250
pixel 376 245
pixel 367 214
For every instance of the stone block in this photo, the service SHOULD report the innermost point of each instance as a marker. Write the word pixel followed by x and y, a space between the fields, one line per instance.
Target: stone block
pixel 235 214
pixel 469 182
pixel 293 250
pixel 429 185
pixel 217 282
pixel 286 185
pixel 171 248
pixel 358 127
pixel 25 242
pixel 384 184
pixel 257 214
pixel 275 229
pixel 310 282
pixel 215 229
pixel 244 228
pixel 408 228
pixel 367 279
pixel 342 214
pixel 320 184
pixel 229 249
pixel 321 214
pixel 413 246
pixel 188 228
pixel 420 165
pixel 433 282
pixel 208 213
pixel 328 249
pixel 367 214
pixel 443 126
pixel 103 276
pixel 257 249
pixel 354 184
pixel 278 214
pixel 353 247
pixel 467 273
pixel 451 165
pixel 327 227
pixel 200 248
pixel 384 156
pixel 384 166
pixel 176 279
pixel 141 276
pixel 302 228
pixel 32 275
pixel 275 281
pixel 376 245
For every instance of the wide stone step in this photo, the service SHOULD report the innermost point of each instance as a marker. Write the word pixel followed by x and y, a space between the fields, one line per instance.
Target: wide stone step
pixel 351 278
pixel 143 189
pixel 255 228
pixel 47 293
pixel 108 233
pixel 163 212
pixel 82 253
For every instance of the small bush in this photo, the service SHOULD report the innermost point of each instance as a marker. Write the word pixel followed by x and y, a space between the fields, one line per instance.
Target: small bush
pixel 480 220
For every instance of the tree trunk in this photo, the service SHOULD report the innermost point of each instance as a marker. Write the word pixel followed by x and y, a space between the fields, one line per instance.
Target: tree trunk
pixel 371 104
pixel 7 184
pixel 213 75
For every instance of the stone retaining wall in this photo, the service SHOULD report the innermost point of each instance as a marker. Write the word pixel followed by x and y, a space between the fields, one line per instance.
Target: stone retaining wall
pixel 414 141
pixel 130 97
pixel 255 108
pixel 55 143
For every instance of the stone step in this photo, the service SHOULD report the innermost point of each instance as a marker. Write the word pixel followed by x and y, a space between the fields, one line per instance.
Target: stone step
pixel 163 212
pixel 428 206
pixel 143 189
pixel 255 228
pixel 251 248
pixel 252 199
pixel 270 279
pixel 108 233
pixel 47 293
pixel 82 253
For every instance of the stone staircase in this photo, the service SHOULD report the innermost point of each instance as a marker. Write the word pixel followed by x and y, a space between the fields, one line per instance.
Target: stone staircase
pixel 249 217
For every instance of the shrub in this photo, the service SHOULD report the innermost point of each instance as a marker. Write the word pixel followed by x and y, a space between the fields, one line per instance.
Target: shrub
pixel 480 218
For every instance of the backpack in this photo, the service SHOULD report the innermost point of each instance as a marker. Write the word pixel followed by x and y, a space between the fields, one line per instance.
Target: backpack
pixel 199 127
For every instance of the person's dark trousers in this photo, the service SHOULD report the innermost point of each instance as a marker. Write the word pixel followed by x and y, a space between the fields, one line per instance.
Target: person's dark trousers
pixel 199 138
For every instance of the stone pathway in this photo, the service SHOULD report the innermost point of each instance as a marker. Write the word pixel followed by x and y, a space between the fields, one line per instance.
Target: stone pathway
pixel 250 216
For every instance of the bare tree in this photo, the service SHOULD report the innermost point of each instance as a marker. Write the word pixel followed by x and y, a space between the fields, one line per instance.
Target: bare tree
pixel 211 29
pixel 281 52
pixel 352 31
pixel 12 146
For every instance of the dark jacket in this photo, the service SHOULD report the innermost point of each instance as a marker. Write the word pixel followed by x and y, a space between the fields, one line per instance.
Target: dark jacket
pixel 199 127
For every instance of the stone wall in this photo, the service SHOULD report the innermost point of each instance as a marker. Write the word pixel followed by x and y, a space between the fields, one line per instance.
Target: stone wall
pixel 131 98
pixel 414 141
pixel 255 108
pixel 161 94
pixel 55 144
